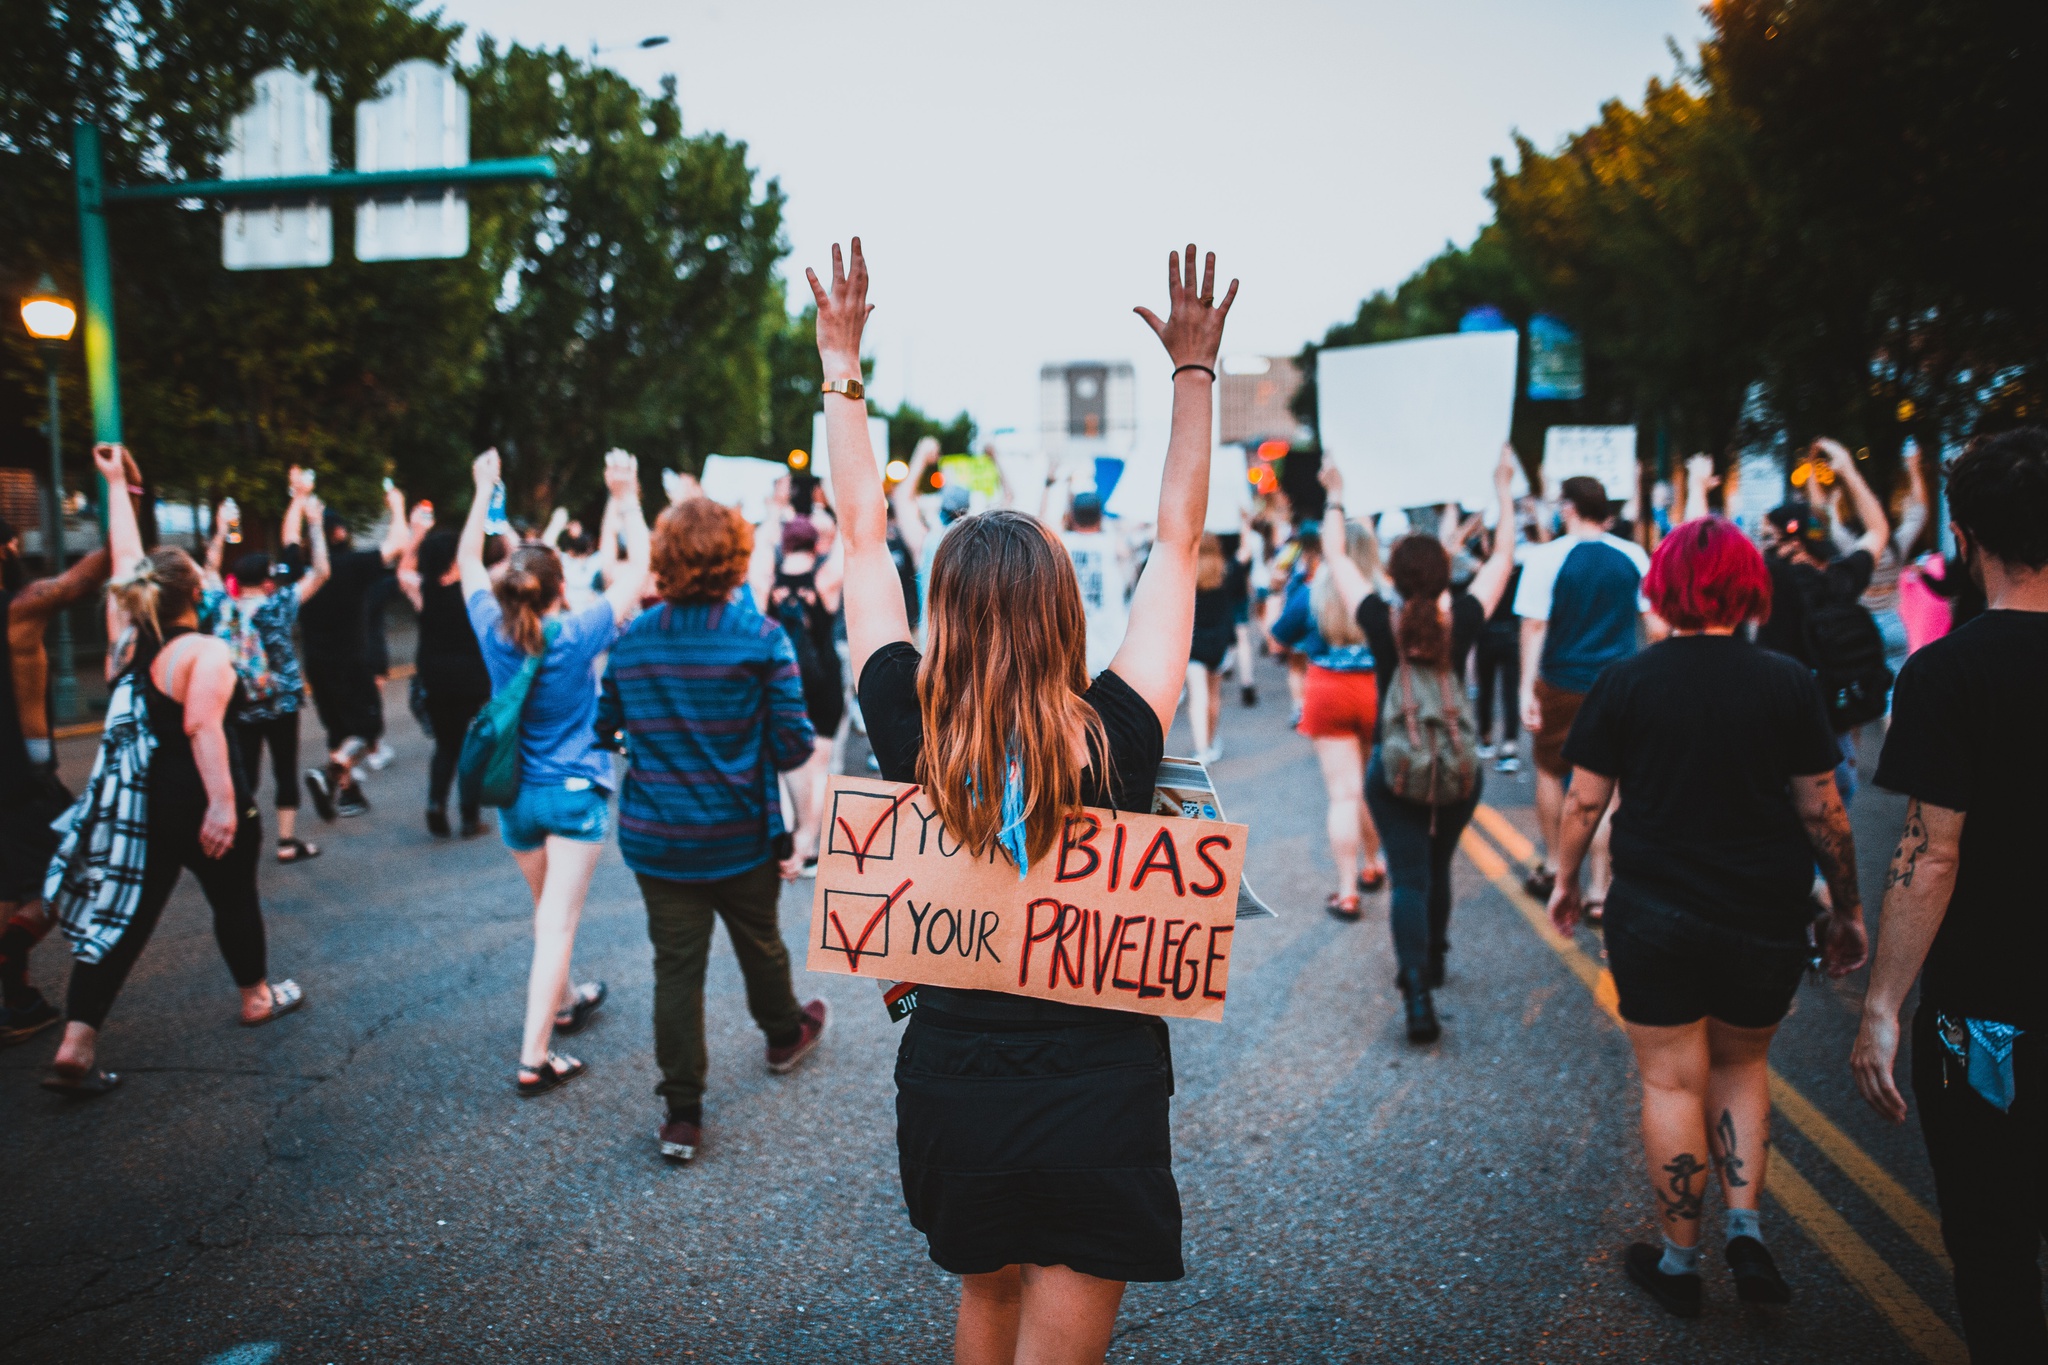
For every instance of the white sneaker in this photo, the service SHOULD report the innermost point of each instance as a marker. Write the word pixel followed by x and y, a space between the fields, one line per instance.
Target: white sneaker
pixel 1214 752
pixel 380 757
pixel 1486 751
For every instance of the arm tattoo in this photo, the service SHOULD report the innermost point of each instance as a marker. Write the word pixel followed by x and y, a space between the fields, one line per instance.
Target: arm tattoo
pixel 1725 1160
pixel 1684 1201
pixel 1912 843
pixel 1834 848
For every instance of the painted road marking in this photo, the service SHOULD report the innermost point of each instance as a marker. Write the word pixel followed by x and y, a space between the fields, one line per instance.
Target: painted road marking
pixel 1908 1313
pixel 1878 1185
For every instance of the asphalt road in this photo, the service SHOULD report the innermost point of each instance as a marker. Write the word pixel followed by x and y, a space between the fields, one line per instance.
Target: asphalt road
pixel 358 1183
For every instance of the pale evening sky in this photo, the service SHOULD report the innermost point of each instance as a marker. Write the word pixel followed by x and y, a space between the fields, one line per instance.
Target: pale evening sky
pixel 1018 173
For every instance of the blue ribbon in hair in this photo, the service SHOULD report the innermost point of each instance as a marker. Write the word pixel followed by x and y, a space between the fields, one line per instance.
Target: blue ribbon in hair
pixel 1010 836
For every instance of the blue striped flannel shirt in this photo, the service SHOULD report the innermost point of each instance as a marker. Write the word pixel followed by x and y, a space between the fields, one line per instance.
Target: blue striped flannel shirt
pixel 709 705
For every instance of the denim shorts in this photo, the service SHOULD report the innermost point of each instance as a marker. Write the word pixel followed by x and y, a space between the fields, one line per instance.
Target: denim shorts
pixel 566 812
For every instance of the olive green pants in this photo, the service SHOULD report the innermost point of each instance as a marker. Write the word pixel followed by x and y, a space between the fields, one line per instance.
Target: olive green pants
pixel 680 916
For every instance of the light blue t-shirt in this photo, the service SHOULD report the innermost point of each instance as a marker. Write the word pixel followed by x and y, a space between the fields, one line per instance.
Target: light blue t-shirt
pixel 558 730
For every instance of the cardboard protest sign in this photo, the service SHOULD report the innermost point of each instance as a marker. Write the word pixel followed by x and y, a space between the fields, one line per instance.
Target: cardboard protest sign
pixel 1418 422
pixel 1128 911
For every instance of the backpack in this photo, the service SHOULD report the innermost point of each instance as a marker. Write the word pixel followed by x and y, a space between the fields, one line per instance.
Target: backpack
pixel 488 770
pixel 794 616
pixel 1429 748
pixel 1847 657
pixel 246 649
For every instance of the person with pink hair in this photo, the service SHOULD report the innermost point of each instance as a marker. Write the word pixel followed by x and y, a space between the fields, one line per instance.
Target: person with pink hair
pixel 1724 759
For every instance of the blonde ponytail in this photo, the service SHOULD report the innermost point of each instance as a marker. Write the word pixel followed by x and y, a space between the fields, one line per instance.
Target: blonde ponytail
pixel 163 586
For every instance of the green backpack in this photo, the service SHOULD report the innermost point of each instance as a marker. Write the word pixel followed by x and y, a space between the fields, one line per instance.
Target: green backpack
pixel 488 770
pixel 1429 749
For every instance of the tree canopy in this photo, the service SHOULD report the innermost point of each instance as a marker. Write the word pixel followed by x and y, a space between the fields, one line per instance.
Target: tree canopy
pixel 1836 207
pixel 634 301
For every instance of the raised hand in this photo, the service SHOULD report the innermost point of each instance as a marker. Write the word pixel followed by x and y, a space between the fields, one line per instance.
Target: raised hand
pixel 621 475
pixel 1504 472
pixel 1332 480
pixel 422 519
pixel 299 481
pixel 113 463
pixel 1193 330
pixel 842 313
pixel 485 470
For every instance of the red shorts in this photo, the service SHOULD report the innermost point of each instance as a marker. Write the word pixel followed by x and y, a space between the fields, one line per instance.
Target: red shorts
pixel 1336 705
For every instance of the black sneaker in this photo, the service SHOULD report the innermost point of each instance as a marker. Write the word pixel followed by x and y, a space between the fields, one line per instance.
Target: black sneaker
pixel 472 825
pixel 680 1139
pixel 351 801
pixel 1540 884
pixel 320 787
pixel 23 1022
pixel 1756 1275
pixel 1679 1294
pixel 1420 1009
pixel 1250 695
pixel 437 822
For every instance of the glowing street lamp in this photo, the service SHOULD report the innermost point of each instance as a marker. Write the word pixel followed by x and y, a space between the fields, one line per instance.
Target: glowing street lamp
pixel 48 315
pixel 799 459
pixel 50 318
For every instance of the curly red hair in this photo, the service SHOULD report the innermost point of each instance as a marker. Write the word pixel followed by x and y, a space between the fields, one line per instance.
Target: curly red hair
pixel 1707 574
pixel 700 551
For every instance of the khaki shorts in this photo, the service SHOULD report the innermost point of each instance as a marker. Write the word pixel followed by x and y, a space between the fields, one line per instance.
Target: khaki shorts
pixel 1559 709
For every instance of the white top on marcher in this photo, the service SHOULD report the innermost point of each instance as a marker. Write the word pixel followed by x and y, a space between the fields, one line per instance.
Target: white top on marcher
pixel 1103 569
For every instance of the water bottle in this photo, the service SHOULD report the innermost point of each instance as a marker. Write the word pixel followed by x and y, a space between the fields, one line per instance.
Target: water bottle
pixel 495 522
pixel 231 520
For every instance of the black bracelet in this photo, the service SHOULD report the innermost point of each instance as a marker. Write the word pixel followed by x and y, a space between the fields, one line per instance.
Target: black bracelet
pixel 1203 368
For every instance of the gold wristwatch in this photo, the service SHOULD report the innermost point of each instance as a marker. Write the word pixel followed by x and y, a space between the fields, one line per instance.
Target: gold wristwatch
pixel 851 388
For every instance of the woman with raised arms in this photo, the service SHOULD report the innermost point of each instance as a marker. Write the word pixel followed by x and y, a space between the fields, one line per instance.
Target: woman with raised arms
pixel 1032 1134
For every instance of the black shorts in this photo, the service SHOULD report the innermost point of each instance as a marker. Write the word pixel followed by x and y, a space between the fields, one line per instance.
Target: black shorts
pixel 345 695
pixel 1208 647
pixel 825 704
pixel 1041 1144
pixel 1671 967
pixel 27 842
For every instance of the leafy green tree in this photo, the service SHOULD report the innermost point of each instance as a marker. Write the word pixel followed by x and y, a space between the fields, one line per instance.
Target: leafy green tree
pixel 909 424
pixel 638 289
pixel 228 377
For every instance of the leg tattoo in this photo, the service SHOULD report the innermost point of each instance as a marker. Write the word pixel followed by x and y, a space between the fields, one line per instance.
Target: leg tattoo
pixel 1684 1201
pixel 1725 1159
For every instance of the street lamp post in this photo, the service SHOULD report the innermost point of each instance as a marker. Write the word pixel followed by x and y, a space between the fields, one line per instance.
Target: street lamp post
pixel 50 318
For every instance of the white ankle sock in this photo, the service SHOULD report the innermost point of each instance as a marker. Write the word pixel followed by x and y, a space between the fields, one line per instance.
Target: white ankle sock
pixel 1679 1260
pixel 1743 1223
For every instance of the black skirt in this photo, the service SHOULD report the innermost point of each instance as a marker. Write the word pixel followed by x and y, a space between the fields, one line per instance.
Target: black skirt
pixel 1025 1140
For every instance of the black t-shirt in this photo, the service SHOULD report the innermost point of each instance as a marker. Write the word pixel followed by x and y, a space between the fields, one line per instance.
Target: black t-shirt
pixel 1376 619
pixel 1792 584
pixel 332 621
pixel 450 662
pixel 1703 734
pixel 1966 735
pixel 888 702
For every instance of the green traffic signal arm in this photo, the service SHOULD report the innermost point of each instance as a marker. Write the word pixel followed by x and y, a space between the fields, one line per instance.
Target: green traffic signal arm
pixel 341 182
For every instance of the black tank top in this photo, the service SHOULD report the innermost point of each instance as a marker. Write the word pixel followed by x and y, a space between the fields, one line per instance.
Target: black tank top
pixel 174 781
pixel 818 623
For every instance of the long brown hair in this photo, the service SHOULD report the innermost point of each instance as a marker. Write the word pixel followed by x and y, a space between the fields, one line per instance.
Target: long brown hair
pixel 529 589
pixel 1421 570
pixel 163 586
pixel 1007 665
pixel 1337 624
pixel 1210 564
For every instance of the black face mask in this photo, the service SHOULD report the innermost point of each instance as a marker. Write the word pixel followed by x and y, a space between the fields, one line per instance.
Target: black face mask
pixel 13 573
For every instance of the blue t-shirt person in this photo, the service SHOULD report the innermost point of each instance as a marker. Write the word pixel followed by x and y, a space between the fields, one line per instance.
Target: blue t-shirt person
pixel 557 732
pixel 1589 589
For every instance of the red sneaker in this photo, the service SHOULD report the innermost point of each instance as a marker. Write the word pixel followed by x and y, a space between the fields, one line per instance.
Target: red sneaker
pixel 679 1140
pixel 782 1060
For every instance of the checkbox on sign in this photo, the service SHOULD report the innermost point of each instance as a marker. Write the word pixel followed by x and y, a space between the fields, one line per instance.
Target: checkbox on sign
pixel 857 923
pixel 863 825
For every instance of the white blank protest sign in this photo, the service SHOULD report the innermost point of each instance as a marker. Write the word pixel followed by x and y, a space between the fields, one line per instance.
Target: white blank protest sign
pixel 1604 453
pixel 821 463
pixel 1229 490
pixel 287 130
pixel 741 481
pixel 1413 423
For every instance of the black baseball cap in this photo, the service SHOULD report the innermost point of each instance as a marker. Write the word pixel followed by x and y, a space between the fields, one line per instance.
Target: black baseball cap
pixel 1801 522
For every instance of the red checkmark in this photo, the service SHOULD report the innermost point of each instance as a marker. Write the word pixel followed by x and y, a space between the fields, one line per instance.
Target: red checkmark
pixel 859 851
pixel 854 950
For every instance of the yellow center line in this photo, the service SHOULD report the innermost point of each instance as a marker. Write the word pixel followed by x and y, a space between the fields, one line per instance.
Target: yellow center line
pixel 1905 1310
